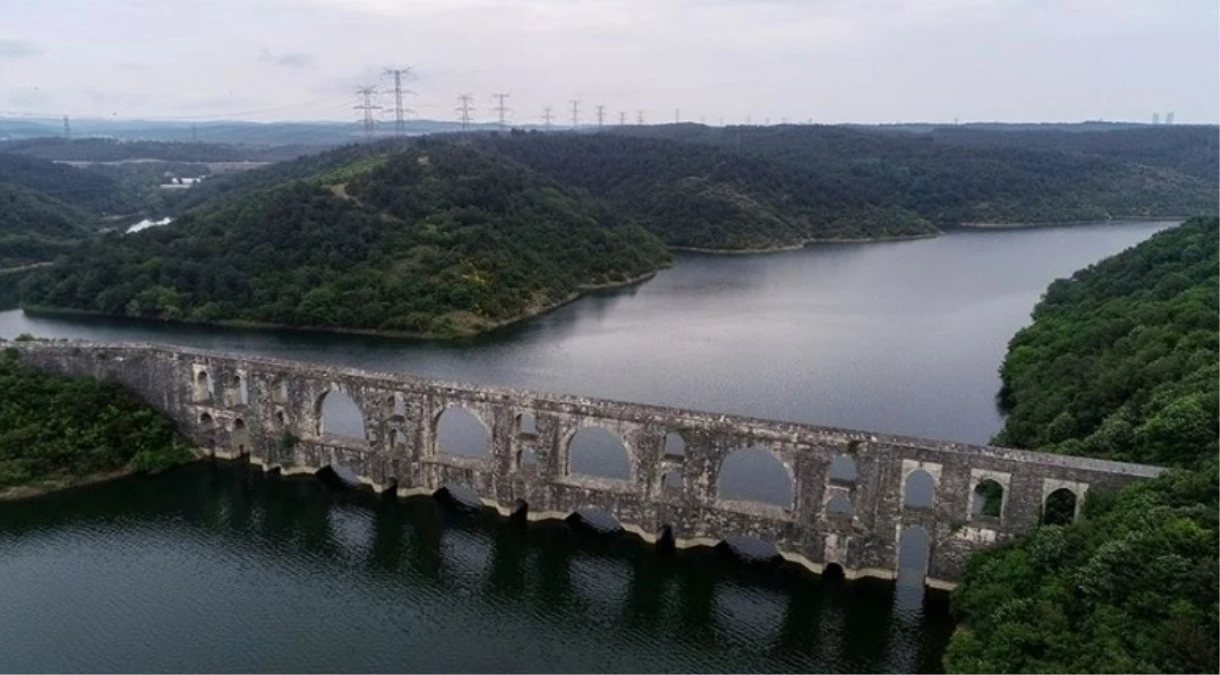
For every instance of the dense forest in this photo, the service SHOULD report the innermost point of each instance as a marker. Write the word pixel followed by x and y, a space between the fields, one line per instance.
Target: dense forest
pixel 438 239
pixel 47 208
pixel 57 428
pixel 687 194
pixel 114 150
pixel 35 227
pixel 1120 362
pixel 1131 589
pixel 1192 150
pixel 698 196
pixel 88 191
pixel 950 183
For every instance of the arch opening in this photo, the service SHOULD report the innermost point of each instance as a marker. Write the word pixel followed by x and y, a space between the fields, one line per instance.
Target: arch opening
pixel 280 418
pixel 337 474
pixel 395 406
pixel 832 571
pixel 843 469
pixel 527 459
pixel 987 499
pixel 839 506
pixel 461 495
pixel 203 386
pixel 672 480
pixel 398 439
pixel 1060 508
pixel 750 548
pixel 914 552
pixel 340 416
pixel 594 451
pixel 206 421
pixel 239 393
pixel 919 490
pixel 239 424
pixel 755 474
pixel 279 391
pixel 527 424
pixel 596 520
pixel 459 433
pixel 675 446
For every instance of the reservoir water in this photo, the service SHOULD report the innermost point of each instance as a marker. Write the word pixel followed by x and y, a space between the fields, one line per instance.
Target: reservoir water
pixel 218 568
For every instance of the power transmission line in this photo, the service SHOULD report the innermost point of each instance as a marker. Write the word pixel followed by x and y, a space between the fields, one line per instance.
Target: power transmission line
pixel 601 115
pixel 366 95
pixel 622 118
pixel 547 116
pixel 465 109
pixel 677 115
pixel 400 125
pixel 67 128
pixel 575 112
pixel 500 107
pixel 639 117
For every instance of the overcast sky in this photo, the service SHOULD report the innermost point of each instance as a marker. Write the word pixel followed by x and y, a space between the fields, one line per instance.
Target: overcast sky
pixel 826 60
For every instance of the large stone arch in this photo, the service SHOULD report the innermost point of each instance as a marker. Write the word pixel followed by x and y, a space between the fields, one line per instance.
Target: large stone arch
pixel 461 421
pixel 349 406
pixel 766 466
pixel 606 433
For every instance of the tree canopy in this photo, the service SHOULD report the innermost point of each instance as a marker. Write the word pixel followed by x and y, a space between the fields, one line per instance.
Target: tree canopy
pixel 949 182
pixel 1120 363
pixel 1120 360
pixel 437 239
pixel 58 427
pixel 693 195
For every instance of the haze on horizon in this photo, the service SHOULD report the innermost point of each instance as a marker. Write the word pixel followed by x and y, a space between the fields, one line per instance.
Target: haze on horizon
pixel 822 60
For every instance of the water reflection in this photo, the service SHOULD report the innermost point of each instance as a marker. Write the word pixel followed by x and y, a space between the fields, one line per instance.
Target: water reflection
pixel 414 586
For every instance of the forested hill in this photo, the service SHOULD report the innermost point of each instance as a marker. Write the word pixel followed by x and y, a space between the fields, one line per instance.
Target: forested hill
pixel 45 208
pixel 439 239
pixel 1119 363
pixel 950 183
pixel 1191 150
pixel 87 191
pixel 112 150
pixel 698 196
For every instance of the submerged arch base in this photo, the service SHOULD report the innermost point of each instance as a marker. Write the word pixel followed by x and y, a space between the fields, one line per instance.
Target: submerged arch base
pixel 653 538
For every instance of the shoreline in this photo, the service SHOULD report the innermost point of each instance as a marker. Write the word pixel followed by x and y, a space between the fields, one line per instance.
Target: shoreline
pixel 37 310
pixel 1069 223
pixel 806 243
pixel 39 488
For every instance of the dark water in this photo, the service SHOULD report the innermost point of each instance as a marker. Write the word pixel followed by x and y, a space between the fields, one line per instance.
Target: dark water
pixel 218 568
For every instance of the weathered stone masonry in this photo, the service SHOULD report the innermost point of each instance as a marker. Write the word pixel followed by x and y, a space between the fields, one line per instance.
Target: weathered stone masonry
pixel 243 406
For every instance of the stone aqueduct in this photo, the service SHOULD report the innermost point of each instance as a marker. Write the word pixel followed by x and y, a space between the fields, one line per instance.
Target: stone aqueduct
pixel 242 406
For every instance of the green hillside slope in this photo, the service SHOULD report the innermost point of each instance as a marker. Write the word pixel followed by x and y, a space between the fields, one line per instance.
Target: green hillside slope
pixel 438 239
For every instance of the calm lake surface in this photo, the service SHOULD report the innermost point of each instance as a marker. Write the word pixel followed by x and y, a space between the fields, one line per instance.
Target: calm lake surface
pixel 218 568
